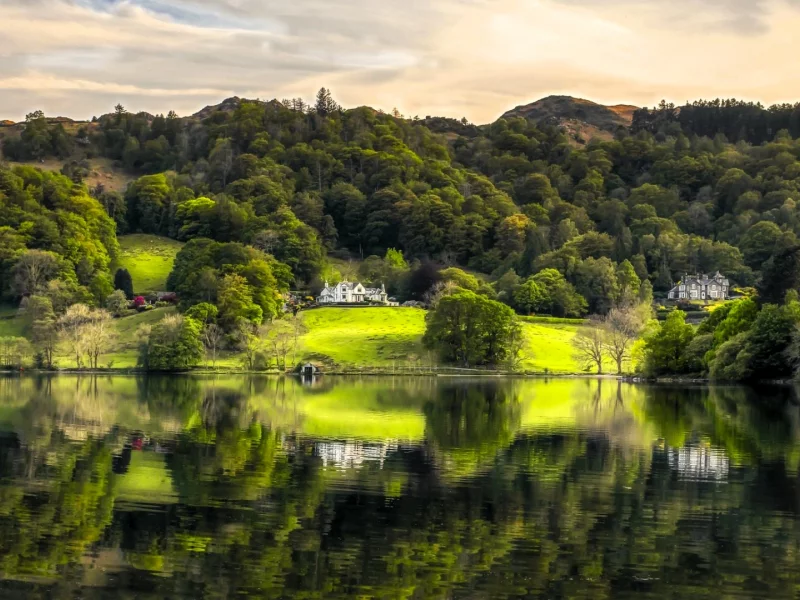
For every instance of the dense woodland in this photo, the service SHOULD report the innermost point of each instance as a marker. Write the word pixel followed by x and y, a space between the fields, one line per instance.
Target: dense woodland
pixel 514 211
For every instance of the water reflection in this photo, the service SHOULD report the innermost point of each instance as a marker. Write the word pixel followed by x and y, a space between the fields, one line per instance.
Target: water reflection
pixel 186 487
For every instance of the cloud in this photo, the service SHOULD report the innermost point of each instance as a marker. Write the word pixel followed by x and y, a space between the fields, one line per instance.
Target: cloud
pixel 750 17
pixel 473 58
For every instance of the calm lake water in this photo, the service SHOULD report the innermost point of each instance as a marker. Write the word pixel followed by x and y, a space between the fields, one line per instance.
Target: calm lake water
pixel 235 487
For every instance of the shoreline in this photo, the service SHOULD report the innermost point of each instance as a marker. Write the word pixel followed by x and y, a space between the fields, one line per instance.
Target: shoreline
pixel 473 374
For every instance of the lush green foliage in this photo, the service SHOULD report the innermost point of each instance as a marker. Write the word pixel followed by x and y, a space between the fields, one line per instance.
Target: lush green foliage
pixel 51 230
pixel 243 281
pixel 738 341
pixel 468 329
pixel 173 344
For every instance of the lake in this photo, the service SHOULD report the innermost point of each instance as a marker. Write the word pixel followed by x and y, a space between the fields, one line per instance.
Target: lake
pixel 234 486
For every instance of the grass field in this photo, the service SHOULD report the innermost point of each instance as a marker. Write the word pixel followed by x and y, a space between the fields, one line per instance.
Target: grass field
pixel 383 337
pixel 364 336
pixel 149 260
pixel 549 348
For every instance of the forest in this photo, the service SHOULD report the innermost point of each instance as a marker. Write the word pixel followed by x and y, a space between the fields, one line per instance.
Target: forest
pixel 513 211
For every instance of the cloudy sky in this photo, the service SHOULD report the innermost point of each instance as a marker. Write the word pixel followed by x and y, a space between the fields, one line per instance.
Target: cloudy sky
pixel 473 58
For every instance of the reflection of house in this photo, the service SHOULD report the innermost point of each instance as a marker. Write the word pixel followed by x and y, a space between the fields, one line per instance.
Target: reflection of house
pixel 351 293
pixel 349 455
pixel 701 287
pixel 699 463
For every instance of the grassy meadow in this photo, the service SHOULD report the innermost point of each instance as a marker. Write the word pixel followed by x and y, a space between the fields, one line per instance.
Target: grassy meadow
pixel 380 338
pixel 377 337
pixel 386 337
pixel 149 259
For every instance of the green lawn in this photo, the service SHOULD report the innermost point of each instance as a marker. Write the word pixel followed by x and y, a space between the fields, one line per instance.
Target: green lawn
pixel 382 337
pixel 348 337
pixel 549 347
pixel 149 260
pixel 364 336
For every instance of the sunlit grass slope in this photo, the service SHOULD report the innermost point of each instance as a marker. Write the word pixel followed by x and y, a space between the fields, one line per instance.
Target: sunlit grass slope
pixel 364 336
pixel 548 347
pixel 382 337
pixel 149 259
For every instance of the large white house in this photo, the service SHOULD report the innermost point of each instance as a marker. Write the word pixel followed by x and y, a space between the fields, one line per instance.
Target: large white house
pixel 701 287
pixel 351 293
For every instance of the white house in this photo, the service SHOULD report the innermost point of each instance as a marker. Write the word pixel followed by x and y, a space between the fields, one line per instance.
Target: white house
pixel 351 293
pixel 701 287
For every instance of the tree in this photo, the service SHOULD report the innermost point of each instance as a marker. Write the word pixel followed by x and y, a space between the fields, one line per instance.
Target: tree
pixel 596 281
pixel 623 325
pixel 123 281
pixel 213 337
pixel 589 344
pixel 280 334
pixel 174 344
pixel 72 326
pixel 780 274
pixel 629 284
pixel 560 297
pixel 325 104
pixel 117 303
pixel 97 333
pixel 250 342
pixel 468 329
pixel 40 323
pixel 530 296
pixel 204 312
pixel 664 350
pixel 33 270
pixel 767 343
pixel 760 243
pixel 235 302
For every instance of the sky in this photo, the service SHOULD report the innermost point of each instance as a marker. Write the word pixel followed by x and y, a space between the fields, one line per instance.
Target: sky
pixel 457 58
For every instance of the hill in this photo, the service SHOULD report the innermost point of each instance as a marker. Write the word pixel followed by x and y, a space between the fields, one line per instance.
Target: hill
pixel 582 119
pixel 567 107
pixel 228 105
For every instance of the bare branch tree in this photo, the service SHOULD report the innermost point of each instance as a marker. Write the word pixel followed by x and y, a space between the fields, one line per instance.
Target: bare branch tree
pixel 213 335
pixel 71 325
pixel 623 326
pixel 97 335
pixel 589 345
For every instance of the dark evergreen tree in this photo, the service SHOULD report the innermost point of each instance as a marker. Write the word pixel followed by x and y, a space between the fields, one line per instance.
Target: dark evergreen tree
pixel 123 281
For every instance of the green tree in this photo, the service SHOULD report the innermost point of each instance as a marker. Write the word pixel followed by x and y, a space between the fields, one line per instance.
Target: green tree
pixel 235 302
pixel 560 297
pixel 117 303
pixel 530 296
pixel 468 329
pixel 665 349
pixel 174 344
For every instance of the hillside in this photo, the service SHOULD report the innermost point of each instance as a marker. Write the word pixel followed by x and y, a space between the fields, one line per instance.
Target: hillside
pixel 582 119
pixel 567 107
